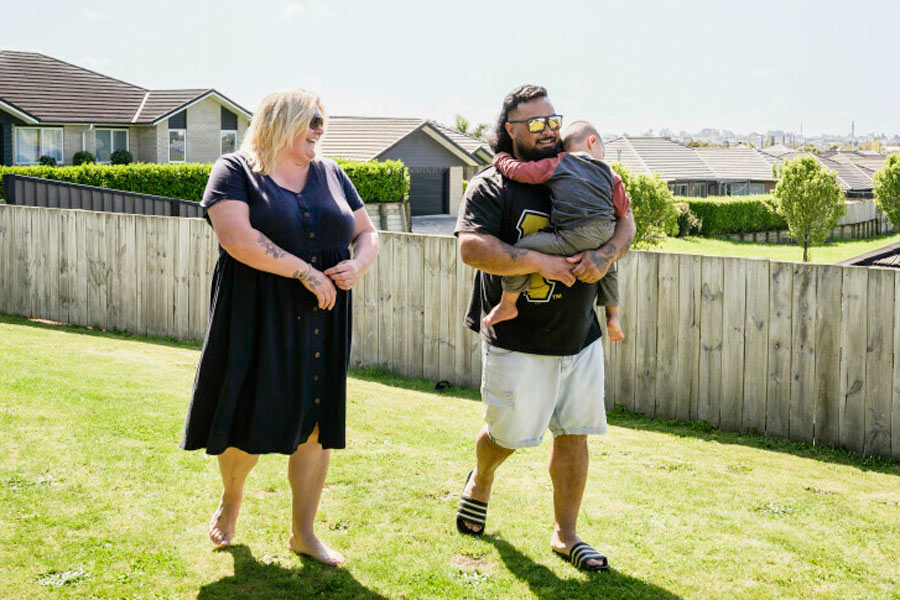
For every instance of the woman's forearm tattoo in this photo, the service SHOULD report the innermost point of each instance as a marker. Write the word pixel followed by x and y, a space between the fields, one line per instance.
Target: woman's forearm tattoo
pixel 270 246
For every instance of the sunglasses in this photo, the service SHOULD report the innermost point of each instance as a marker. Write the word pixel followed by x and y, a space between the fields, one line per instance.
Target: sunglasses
pixel 317 121
pixel 537 124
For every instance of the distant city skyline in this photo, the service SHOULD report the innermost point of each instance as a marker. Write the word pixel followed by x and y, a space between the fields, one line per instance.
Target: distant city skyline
pixel 627 67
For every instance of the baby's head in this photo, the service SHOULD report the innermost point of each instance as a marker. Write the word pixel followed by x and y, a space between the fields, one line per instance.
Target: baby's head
pixel 581 136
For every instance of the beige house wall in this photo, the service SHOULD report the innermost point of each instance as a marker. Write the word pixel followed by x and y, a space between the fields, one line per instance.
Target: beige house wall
pixel 142 141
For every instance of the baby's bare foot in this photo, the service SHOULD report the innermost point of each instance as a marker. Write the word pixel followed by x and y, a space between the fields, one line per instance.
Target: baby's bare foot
pixel 501 312
pixel 224 521
pixel 614 330
pixel 313 547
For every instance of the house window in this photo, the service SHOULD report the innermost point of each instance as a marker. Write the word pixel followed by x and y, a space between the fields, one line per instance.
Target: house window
pixel 176 145
pixel 32 143
pixel 107 141
pixel 681 189
pixel 757 188
pixel 229 141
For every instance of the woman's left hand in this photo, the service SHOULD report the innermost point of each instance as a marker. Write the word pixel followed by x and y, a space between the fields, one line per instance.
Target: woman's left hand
pixel 345 274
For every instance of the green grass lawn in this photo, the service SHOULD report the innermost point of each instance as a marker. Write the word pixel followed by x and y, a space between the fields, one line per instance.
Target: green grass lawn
pixel 828 253
pixel 97 501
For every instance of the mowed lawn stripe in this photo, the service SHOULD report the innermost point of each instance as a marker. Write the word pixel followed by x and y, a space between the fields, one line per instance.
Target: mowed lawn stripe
pixel 96 499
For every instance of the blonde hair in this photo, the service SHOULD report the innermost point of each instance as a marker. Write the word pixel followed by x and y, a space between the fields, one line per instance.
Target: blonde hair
pixel 281 117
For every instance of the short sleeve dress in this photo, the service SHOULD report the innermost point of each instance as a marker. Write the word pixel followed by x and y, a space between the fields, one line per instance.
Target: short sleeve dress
pixel 273 364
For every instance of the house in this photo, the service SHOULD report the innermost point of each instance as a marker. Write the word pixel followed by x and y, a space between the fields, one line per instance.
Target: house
pixel 888 257
pixel 438 158
pixel 855 180
pixel 705 171
pixel 53 108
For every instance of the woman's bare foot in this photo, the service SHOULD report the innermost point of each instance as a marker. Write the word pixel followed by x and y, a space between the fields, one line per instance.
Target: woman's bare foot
pixel 224 521
pixel 501 312
pixel 313 547
pixel 614 329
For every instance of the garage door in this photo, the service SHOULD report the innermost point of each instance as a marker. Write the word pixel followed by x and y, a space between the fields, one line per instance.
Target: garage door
pixel 429 190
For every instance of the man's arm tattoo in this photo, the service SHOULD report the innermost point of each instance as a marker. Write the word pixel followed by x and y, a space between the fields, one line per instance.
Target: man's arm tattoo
pixel 270 247
pixel 512 251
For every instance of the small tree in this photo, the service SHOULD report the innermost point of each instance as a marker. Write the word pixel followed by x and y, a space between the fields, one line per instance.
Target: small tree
pixel 83 157
pixel 887 189
pixel 810 199
pixel 652 203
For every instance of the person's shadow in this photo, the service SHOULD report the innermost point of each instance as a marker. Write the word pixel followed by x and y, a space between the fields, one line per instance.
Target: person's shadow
pixel 260 581
pixel 544 583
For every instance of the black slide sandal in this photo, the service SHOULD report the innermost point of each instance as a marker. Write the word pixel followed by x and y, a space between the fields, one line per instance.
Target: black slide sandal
pixel 470 511
pixel 580 554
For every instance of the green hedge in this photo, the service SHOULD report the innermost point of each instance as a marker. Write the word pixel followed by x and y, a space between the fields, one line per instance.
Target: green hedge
pixel 721 215
pixel 386 181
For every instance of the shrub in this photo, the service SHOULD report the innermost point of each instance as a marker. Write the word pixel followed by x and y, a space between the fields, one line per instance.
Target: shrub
pixel 47 161
pixel 121 157
pixel 810 199
pixel 655 215
pixel 721 215
pixel 688 221
pixel 386 181
pixel 887 189
pixel 82 158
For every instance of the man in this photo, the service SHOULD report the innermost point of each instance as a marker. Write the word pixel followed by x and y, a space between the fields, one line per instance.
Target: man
pixel 544 368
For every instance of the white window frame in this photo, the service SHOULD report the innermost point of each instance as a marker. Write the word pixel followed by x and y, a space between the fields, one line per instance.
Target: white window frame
pixel 112 131
pixel 169 146
pixel 40 130
pixel 222 133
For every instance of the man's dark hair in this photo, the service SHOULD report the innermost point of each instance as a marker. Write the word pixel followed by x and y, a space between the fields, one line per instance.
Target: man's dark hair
pixel 499 138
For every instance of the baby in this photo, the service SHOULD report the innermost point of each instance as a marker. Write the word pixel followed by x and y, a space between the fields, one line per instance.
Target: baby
pixel 586 198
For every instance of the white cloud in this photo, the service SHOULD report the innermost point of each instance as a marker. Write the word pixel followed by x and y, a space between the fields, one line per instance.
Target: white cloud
pixel 289 11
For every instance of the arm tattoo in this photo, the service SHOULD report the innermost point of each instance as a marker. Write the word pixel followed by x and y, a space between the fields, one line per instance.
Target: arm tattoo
pixel 270 247
pixel 512 251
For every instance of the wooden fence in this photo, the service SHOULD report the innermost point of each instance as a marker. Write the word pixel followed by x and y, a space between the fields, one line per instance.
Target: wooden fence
pixel 804 352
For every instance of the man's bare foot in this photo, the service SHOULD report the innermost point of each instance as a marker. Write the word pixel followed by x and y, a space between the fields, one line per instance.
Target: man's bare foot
pixel 313 547
pixel 614 329
pixel 501 312
pixel 223 522
pixel 558 545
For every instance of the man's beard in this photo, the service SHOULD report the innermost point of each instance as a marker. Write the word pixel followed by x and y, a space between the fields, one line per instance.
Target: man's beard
pixel 536 153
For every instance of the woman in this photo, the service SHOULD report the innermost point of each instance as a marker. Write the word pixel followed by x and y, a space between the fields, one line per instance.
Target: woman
pixel 272 374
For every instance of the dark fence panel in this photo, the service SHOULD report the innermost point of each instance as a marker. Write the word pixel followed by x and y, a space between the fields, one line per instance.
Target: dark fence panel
pixel 47 193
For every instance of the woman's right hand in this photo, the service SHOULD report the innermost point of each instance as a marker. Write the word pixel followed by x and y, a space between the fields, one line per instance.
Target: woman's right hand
pixel 320 285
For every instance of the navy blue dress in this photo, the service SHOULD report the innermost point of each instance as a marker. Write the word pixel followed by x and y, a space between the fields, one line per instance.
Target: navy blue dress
pixel 273 364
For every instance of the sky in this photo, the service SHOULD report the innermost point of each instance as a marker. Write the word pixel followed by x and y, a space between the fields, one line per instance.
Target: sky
pixel 626 66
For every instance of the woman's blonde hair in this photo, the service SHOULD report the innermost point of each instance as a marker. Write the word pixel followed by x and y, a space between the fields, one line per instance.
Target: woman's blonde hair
pixel 280 118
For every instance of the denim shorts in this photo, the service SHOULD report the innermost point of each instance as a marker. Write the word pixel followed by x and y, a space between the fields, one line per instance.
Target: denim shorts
pixel 525 394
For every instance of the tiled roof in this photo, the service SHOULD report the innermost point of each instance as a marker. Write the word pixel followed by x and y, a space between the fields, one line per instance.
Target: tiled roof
pixel 53 91
pixel 776 150
pixel 672 160
pixel 469 143
pixel 851 177
pixel 740 163
pixel 364 138
pixel 861 158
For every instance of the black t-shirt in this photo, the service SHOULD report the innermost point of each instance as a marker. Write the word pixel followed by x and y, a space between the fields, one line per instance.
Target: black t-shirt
pixel 553 319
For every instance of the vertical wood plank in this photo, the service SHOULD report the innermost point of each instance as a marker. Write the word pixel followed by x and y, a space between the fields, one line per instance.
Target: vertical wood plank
pixel 457 324
pixel 386 283
pixel 78 312
pixel 182 278
pixel 400 315
pixel 141 274
pixel 711 309
pixel 416 299
pixel 854 328
pixel 127 276
pixel 756 346
pixel 880 327
pixel 687 376
pixel 645 351
pixel 114 295
pixel 54 225
pixel 447 337
pixel 6 280
pixel 369 350
pixel 42 274
pixel 778 389
pixel 26 262
pixel 667 337
pixel 734 316
pixel 151 291
pixel 625 353
pixel 68 239
pixel 430 341
pixel 169 274
pixel 803 354
pixel 828 354
pixel 895 395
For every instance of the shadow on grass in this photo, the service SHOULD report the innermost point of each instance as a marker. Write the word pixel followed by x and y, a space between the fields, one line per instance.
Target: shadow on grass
pixel 545 584
pixel 260 581
pixel 621 417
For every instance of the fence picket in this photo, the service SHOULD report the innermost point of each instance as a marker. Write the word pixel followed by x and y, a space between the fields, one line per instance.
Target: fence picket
pixel 711 309
pixel 666 343
pixel 386 278
pixel 778 390
pixel 645 342
pixel 756 346
pixel 687 376
pixel 416 299
pixel 803 354
pixel 895 395
pixel 828 354
pixel 625 353
pixel 880 327
pixel 400 276
pixel 734 312
pixel 853 358
pixel 448 320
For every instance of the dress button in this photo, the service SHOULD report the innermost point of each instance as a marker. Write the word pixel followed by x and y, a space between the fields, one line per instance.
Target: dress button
pixel 313 259
pixel 316 400
pixel 315 377
pixel 318 354
pixel 312 234
pixel 316 331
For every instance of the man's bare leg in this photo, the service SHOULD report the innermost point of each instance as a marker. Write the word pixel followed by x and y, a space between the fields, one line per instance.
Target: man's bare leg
pixel 234 466
pixel 568 470
pixel 504 311
pixel 489 456
pixel 307 469
pixel 613 326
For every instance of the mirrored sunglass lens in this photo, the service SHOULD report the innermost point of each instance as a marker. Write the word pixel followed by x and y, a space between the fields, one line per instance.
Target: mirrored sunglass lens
pixel 554 122
pixel 536 125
